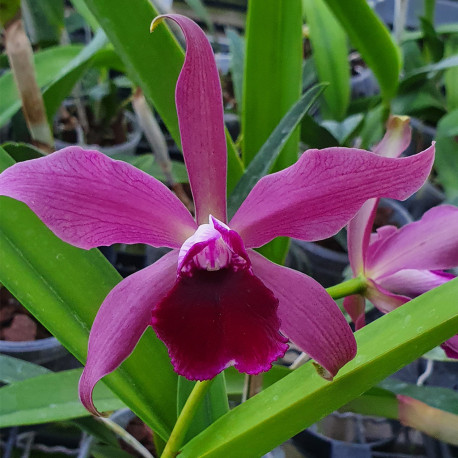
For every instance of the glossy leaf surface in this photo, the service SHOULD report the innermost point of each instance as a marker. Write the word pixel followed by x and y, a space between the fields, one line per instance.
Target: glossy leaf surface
pixel 329 45
pixel 36 267
pixel 372 39
pixel 152 60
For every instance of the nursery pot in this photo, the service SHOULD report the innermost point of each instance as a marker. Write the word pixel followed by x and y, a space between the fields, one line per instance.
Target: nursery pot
pixel 347 436
pixel 127 148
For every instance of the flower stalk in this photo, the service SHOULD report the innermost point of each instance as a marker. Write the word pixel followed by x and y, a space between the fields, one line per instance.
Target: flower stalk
pixel 347 288
pixel 184 419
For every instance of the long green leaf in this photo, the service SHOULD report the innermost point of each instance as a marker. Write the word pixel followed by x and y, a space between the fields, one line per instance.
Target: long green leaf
pixel 153 61
pixel 49 397
pixel 273 66
pixel 47 64
pixel 237 48
pixel 14 370
pixel 372 39
pixel 63 287
pixel 446 163
pixel 67 77
pixel 264 160
pixel 330 53
pixel 301 398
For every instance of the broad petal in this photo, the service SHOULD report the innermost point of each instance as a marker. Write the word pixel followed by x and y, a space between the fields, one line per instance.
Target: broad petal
pixel 430 243
pixel 214 319
pixel 121 321
pixel 358 235
pixel 397 137
pixel 355 306
pixel 308 315
pixel 200 115
pixel 89 200
pixel 413 282
pixel 451 347
pixel 383 299
pixel 314 198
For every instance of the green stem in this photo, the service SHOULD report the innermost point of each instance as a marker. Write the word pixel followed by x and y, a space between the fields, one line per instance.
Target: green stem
pixel 347 288
pixel 126 437
pixel 187 414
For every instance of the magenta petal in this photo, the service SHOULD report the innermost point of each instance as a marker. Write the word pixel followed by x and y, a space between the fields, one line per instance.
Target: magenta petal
pixel 89 200
pixel 200 115
pixel 309 317
pixel 358 235
pixel 430 243
pixel 413 282
pixel 451 347
pixel 314 198
pixel 122 319
pixel 214 319
pixel 396 139
pixel 383 299
pixel 355 306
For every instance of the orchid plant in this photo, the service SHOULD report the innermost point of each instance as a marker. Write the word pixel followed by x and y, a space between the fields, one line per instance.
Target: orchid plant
pixel 397 265
pixel 213 300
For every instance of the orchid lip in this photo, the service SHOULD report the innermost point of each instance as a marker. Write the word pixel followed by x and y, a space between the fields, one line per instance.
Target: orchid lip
pixel 212 247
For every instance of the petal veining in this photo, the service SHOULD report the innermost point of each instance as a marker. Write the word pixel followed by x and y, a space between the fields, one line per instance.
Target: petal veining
pixel 430 243
pixel 121 320
pixel 200 115
pixel 309 316
pixel 88 199
pixel 301 202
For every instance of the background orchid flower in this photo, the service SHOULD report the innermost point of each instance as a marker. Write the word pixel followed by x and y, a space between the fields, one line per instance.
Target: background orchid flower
pixel 212 300
pixel 400 264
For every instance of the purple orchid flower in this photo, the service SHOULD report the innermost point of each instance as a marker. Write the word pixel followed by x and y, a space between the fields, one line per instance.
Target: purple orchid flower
pixel 400 264
pixel 214 301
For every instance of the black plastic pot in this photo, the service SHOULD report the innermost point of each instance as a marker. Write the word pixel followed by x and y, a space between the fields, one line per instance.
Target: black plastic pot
pixel 45 352
pixel 347 436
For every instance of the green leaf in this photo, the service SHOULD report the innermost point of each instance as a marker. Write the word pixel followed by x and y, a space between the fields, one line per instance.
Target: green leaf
pixel 329 45
pixel 63 287
pixel 237 49
pixel 440 398
pixel 85 12
pixel 8 10
pixel 346 129
pixel 47 63
pixel 22 151
pixel 152 60
pixel 443 64
pixel 14 370
pixel 273 65
pixel 372 39
pixel 314 135
pixel 303 397
pixel 451 75
pixel 446 163
pixel 214 404
pixel 264 160
pixel 147 163
pixel 44 20
pixel 68 75
pixel 49 397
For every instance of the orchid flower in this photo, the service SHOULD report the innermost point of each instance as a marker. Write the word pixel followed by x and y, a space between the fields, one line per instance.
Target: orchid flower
pixel 400 264
pixel 212 300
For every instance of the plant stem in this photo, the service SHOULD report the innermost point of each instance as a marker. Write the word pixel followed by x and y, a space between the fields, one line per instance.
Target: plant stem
pixel 347 288
pixel 126 437
pixel 184 419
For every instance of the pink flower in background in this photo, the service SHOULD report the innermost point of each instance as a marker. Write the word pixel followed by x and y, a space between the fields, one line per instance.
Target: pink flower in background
pixel 212 300
pixel 401 264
